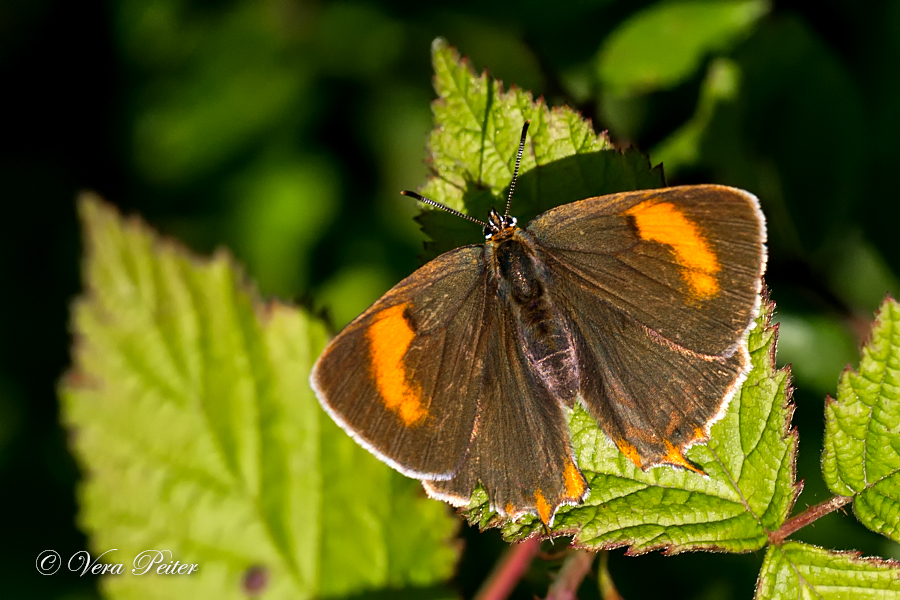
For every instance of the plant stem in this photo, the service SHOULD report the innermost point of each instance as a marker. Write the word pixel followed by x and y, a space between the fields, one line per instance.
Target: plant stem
pixel 509 570
pixel 806 517
pixel 573 571
pixel 605 583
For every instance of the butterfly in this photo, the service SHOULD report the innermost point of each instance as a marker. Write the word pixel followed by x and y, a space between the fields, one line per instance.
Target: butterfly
pixel 635 305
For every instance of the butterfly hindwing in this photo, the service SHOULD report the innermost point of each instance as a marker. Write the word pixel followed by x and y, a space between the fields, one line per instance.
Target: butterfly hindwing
pixel 651 398
pixel 521 453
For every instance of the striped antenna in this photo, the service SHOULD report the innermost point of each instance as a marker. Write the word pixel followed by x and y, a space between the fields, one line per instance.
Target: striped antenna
pixel 422 198
pixel 512 185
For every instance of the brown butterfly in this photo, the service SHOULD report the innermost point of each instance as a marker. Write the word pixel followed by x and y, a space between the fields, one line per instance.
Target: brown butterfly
pixel 637 305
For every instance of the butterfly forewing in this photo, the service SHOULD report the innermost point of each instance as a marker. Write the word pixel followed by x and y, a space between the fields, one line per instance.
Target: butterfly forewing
pixel 661 287
pixel 685 262
pixel 404 377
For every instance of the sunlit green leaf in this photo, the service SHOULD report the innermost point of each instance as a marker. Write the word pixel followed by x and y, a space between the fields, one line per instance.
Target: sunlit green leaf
pixel 472 151
pixel 862 429
pixel 799 571
pixel 194 424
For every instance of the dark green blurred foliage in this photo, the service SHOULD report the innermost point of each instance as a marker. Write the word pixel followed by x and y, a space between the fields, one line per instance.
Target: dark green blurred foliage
pixel 283 130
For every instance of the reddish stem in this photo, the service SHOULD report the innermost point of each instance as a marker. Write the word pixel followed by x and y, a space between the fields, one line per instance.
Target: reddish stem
pixel 809 515
pixel 509 570
pixel 575 567
pixel 605 583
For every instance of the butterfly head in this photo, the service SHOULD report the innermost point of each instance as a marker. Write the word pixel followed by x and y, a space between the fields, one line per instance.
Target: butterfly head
pixel 497 223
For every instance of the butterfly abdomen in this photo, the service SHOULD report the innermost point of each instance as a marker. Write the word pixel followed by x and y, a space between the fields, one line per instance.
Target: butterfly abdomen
pixel 544 333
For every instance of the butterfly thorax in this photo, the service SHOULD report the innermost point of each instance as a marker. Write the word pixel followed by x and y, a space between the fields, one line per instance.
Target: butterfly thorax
pixel 544 333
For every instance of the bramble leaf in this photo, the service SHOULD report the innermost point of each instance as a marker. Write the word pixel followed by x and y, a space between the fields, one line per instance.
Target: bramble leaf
pixel 472 152
pixel 194 424
pixel 861 457
pixel 750 457
pixel 794 570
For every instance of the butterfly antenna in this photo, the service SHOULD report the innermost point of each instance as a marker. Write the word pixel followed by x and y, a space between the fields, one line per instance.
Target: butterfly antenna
pixel 422 198
pixel 512 186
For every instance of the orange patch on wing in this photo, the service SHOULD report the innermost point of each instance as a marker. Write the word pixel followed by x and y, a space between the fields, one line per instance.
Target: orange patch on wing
pixel 630 453
pixel 574 481
pixel 676 457
pixel 543 507
pixel 663 222
pixel 389 338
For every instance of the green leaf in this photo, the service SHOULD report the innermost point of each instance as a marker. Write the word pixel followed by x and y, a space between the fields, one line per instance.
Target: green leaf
pixel 862 429
pixel 472 152
pixel 194 424
pixel 796 570
pixel 749 492
pixel 666 43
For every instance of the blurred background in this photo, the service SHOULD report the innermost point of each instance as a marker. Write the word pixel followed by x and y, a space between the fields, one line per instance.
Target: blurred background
pixel 284 130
